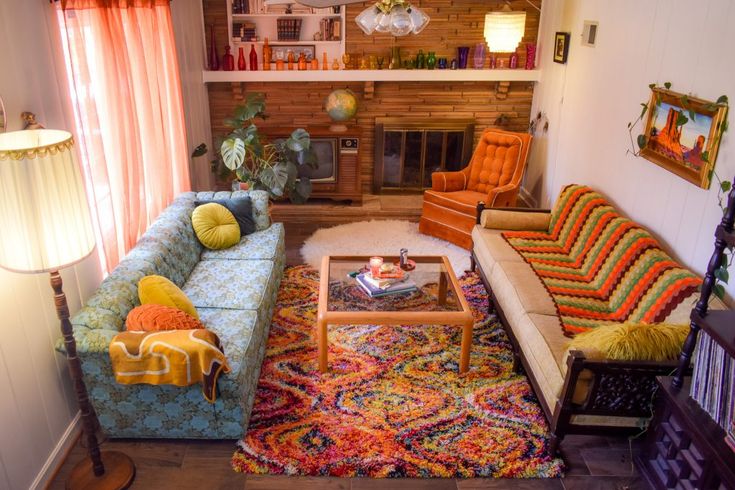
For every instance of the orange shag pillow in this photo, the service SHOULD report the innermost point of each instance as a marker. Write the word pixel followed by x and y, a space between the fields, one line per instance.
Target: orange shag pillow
pixel 152 318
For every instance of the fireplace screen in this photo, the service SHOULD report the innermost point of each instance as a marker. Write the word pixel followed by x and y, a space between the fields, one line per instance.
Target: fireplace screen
pixel 407 152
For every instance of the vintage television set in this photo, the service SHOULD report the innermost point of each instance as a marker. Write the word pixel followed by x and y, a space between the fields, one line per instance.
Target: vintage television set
pixel 337 174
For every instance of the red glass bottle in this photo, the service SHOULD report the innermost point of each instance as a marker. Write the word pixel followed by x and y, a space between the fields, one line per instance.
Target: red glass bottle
pixel 253 58
pixel 241 65
pixel 228 61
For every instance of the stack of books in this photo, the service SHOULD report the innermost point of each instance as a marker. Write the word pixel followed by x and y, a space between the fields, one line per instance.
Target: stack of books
pixel 244 32
pixel 288 29
pixel 331 28
pixel 240 7
pixel 713 384
pixel 384 286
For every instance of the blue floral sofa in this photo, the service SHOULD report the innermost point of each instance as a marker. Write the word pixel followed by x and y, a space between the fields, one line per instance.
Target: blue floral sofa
pixel 234 291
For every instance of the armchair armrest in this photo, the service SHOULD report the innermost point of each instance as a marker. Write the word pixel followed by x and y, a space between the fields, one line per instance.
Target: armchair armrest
pixel 503 196
pixel 448 181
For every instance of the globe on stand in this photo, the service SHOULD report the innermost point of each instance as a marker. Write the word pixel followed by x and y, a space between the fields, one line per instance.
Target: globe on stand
pixel 341 106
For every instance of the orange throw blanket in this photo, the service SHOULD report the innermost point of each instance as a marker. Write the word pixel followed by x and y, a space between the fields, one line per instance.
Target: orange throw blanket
pixel 176 357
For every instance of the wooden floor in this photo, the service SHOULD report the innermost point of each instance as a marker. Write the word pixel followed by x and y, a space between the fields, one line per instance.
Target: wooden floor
pixel 593 462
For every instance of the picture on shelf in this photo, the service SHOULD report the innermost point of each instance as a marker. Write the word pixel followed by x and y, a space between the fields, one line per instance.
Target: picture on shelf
pixel 681 135
pixel 561 47
pixel 280 52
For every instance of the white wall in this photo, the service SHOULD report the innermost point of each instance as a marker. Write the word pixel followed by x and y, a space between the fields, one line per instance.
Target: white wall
pixel 37 402
pixel 590 100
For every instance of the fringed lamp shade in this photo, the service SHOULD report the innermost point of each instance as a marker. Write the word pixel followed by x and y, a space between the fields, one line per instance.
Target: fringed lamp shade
pixel 44 216
pixel 504 30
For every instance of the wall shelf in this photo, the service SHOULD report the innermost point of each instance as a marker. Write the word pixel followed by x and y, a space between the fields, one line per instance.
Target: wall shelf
pixel 295 15
pixel 500 75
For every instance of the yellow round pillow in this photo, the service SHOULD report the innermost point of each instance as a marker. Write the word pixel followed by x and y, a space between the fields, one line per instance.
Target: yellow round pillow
pixel 158 290
pixel 215 226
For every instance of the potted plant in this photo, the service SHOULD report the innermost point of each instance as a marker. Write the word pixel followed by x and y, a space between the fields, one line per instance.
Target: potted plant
pixel 273 167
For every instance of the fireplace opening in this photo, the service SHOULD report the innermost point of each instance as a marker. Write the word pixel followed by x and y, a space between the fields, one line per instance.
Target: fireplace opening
pixel 408 151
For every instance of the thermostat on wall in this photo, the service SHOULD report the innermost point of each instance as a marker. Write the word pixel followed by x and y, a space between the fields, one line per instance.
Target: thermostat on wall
pixel 589 33
pixel 348 145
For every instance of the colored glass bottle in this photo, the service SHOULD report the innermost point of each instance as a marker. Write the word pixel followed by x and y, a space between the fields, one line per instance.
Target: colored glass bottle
pixel 314 64
pixel 291 60
pixel 267 55
pixel 302 62
pixel 431 60
pixel 241 65
pixel 514 60
pixel 325 61
pixel 420 59
pixel 213 55
pixel 228 61
pixel 253 58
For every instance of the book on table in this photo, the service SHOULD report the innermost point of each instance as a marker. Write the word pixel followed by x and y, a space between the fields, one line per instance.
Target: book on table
pixel 374 290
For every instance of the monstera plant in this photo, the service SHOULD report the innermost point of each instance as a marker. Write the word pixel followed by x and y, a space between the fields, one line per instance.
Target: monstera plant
pixel 269 166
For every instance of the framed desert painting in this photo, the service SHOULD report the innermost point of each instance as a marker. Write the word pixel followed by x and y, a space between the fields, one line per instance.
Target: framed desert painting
pixel 683 134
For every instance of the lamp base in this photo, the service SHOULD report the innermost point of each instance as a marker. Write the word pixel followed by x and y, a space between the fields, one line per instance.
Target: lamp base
pixel 118 475
pixel 338 128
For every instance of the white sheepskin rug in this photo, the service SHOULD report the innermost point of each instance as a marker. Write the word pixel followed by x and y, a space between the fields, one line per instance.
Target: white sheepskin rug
pixel 378 237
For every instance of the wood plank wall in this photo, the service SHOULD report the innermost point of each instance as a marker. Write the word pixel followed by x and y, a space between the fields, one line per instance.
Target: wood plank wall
pixel 453 23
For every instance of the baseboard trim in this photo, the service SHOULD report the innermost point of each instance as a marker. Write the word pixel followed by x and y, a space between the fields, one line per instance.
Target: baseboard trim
pixel 58 455
pixel 527 198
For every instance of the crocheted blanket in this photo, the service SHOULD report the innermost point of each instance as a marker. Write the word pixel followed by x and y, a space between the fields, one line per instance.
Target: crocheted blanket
pixel 600 267
pixel 173 357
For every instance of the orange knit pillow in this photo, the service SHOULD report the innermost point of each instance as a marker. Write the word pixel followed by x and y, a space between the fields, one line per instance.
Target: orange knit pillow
pixel 152 318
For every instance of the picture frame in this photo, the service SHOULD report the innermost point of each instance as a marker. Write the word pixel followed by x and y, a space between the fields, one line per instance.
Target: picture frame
pixel 682 134
pixel 561 47
pixel 280 51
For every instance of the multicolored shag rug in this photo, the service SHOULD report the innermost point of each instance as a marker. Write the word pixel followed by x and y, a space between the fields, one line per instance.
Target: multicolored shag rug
pixel 392 404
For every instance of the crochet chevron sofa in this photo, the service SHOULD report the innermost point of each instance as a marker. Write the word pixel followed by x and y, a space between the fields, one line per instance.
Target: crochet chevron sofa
pixel 585 265
pixel 234 291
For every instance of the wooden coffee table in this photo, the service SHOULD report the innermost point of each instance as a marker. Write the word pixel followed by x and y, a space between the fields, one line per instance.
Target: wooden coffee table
pixel 449 307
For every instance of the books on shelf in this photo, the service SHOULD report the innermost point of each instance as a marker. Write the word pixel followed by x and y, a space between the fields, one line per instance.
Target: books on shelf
pixel 376 288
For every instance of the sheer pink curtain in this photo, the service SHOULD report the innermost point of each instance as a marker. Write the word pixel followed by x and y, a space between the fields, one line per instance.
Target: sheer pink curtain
pixel 126 92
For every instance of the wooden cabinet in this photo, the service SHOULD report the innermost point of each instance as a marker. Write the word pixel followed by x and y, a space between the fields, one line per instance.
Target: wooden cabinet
pixel 685 447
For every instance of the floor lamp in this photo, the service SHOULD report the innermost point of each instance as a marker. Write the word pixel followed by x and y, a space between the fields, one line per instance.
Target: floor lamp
pixel 45 223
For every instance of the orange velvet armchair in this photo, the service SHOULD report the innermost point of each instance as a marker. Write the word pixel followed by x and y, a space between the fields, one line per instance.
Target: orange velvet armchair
pixel 493 176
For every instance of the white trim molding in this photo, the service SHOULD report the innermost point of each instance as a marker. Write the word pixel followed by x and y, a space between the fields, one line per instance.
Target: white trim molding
pixel 58 455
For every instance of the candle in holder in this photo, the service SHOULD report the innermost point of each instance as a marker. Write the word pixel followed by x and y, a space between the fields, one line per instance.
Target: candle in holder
pixel 375 263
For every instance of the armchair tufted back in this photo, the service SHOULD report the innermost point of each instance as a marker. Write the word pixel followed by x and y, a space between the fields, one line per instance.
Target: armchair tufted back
pixel 499 159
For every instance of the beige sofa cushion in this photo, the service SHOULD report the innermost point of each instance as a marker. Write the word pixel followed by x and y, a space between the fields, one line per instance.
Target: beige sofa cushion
pixel 519 291
pixel 544 347
pixel 490 247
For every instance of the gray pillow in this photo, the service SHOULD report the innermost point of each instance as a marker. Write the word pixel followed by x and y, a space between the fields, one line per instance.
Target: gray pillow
pixel 241 208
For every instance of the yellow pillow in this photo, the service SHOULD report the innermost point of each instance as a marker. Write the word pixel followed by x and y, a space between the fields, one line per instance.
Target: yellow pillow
pixel 215 226
pixel 632 342
pixel 158 290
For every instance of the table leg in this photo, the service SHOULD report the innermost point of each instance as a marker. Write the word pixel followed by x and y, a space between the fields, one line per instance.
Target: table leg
pixel 323 346
pixel 464 360
pixel 443 282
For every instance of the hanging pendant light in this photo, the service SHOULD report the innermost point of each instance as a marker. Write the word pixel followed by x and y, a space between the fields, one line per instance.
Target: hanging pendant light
pixel 396 17
pixel 504 29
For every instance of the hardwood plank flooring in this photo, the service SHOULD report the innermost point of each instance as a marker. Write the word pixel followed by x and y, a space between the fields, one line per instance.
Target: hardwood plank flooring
pixel 593 462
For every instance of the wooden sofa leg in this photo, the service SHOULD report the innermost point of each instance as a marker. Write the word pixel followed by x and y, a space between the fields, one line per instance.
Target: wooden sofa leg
pixel 554 444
